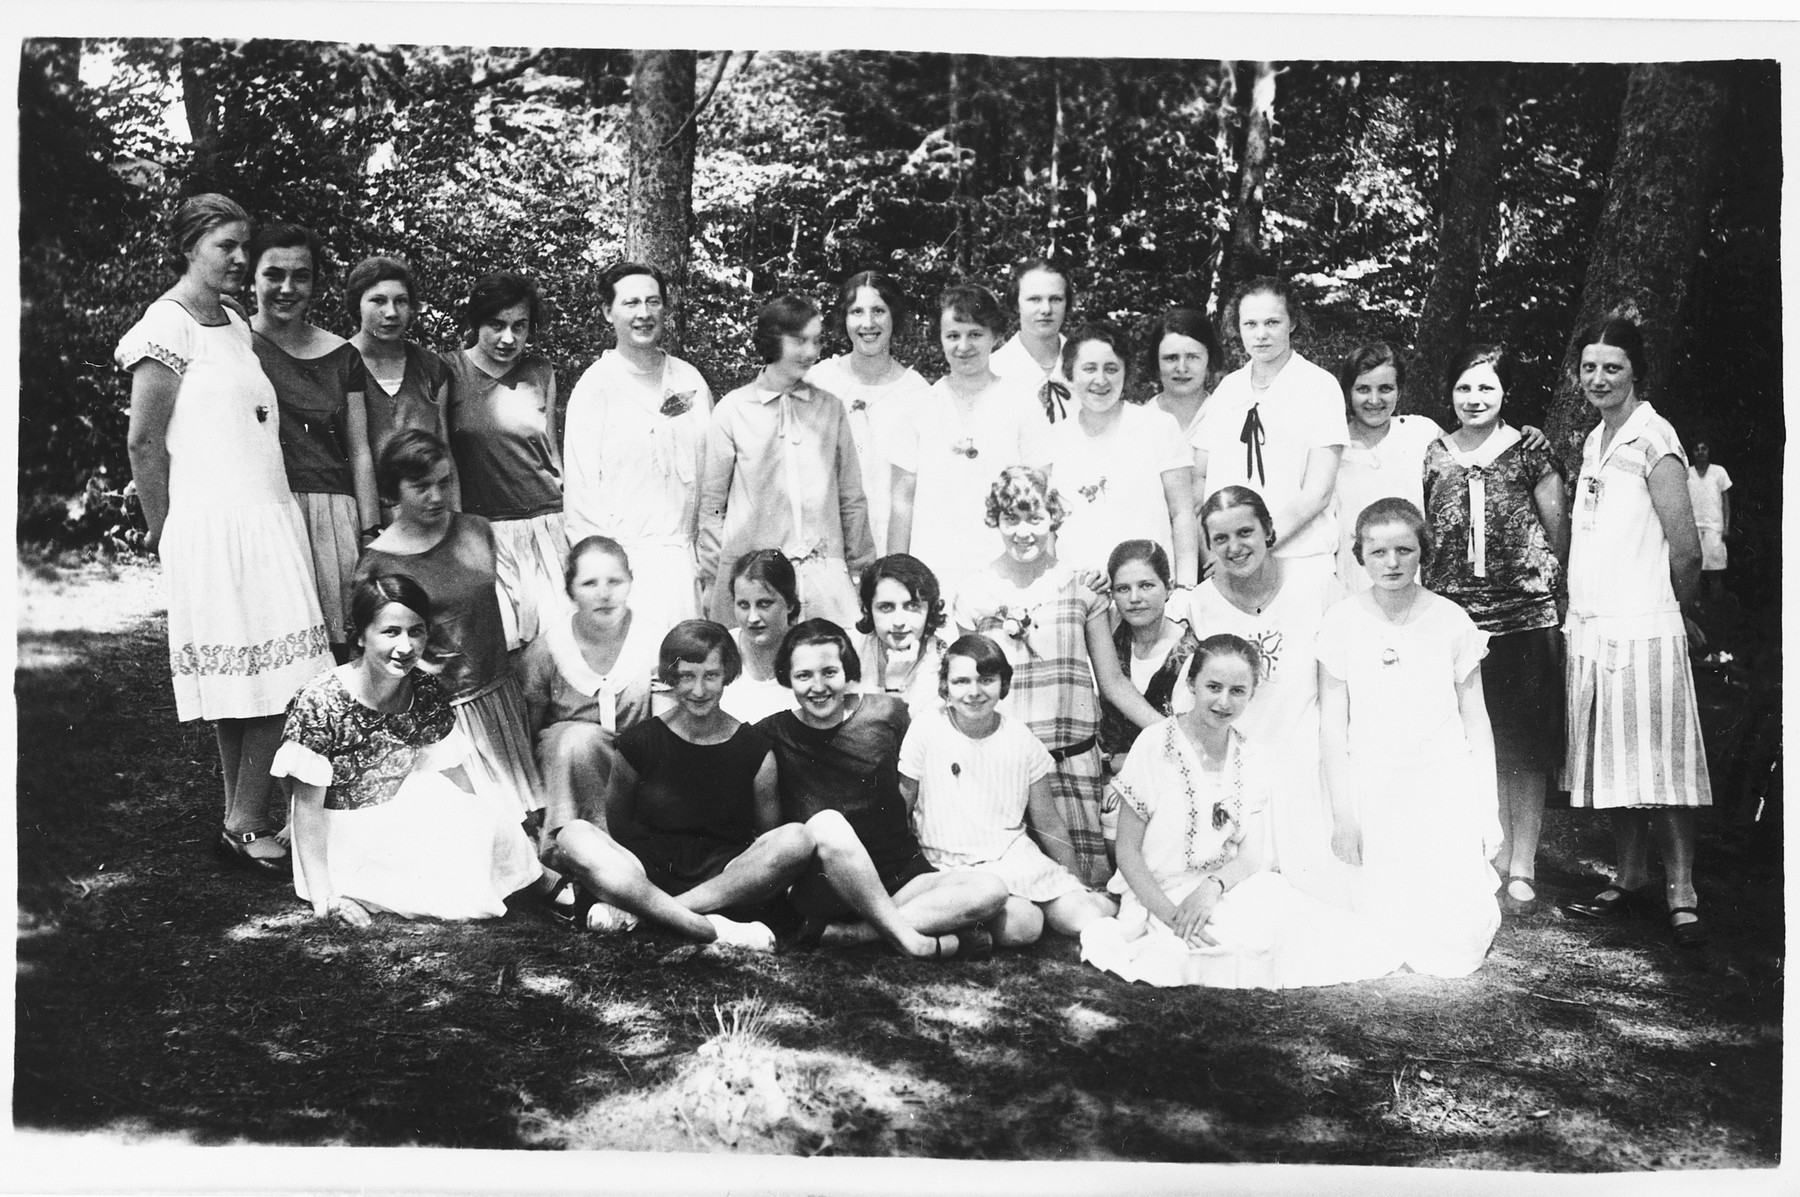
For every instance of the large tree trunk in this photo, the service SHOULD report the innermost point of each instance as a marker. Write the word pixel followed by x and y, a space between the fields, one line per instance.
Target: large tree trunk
pixel 1650 230
pixel 659 212
pixel 200 103
pixel 1467 217
pixel 1244 254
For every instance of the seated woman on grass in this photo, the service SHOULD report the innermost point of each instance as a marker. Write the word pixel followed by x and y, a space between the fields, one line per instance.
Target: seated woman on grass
pixel 838 767
pixel 972 776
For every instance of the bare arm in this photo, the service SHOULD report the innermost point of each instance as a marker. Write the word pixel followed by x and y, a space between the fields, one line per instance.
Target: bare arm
pixel 153 390
pixel 362 463
pixel 768 798
pixel 1048 826
pixel 853 503
pixel 618 803
pixel 310 850
pixel 1675 511
pixel 443 433
pixel 1553 513
pixel 1334 735
pixel 1129 848
pixel 1724 515
pixel 1178 493
pixel 1115 687
pixel 900 510
pixel 1316 484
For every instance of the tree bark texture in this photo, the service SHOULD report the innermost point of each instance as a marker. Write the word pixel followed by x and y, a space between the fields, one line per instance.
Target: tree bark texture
pixel 200 103
pixel 1465 226
pixel 1650 231
pixel 1244 254
pixel 659 211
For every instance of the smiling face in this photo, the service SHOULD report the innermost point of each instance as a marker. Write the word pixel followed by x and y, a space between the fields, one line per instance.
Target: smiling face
pixel 1223 686
pixel 971 695
pixel 503 336
pixel 967 346
pixel 697 686
pixel 1026 535
pixel 284 284
pixel 601 587
pixel 1183 362
pixel 1238 539
pixel 816 676
pixel 394 641
pixel 898 616
pixel 1477 396
pixel 426 500
pixel 1265 326
pixel 1043 303
pixel 762 613
pixel 869 323
pixel 636 311
pixel 219 260
pixel 386 310
pixel 1390 554
pixel 1607 379
pixel 1139 594
pixel 1374 395
pixel 1099 377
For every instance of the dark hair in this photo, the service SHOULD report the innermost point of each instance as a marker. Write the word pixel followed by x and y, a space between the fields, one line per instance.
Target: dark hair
pixel 493 294
pixel 1360 361
pixel 783 316
pixel 694 640
pixel 613 275
pixel 1227 497
pixel 197 216
pixel 1394 511
pixel 772 568
pixel 1147 551
pixel 1481 354
pixel 370 595
pixel 919 581
pixel 593 544
pixel 370 271
pixel 1181 322
pixel 884 286
pixel 1107 335
pixel 1022 491
pixel 409 455
pixel 816 631
pixel 1267 284
pixel 989 662
pixel 1025 266
pixel 971 303
pixel 1620 333
pixel 282 235
pixel 1225 644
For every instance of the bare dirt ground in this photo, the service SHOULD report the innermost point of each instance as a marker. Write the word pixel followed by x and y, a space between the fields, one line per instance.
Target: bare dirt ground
pixel 162 998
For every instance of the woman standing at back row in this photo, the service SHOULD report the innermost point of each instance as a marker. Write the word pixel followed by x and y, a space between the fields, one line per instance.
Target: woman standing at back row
pixel 409 386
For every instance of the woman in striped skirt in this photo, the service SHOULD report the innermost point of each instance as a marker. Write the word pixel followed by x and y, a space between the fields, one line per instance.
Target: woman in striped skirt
pixel 1633 725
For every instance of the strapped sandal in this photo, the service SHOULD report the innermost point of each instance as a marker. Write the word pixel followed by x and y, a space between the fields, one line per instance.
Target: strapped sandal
pixel 1519 906
pixel 233 847
pixel 1691 934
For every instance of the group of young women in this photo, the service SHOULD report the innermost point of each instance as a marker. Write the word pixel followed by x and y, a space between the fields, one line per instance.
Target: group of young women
pixel 1116 676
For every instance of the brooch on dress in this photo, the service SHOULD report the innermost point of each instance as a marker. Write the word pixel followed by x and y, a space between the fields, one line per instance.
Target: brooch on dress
pixel 262 413
pixel 1014 621
pixel 1093 492
pixel 965 447
pixel 677 403
pixel 859 404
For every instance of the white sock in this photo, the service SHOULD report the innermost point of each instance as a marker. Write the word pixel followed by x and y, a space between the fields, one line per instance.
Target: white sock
pixel 604 919
pixel 755 936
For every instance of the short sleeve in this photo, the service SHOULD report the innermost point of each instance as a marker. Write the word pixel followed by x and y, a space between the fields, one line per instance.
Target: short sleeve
pixel 903 449
pixel 1656 441
pixel 1325 425
pixel 1136 783
pixel 1328 645
pixel 1039 764
pixel 913 750
pixel 447 753
pixel 638 745
pixel 165 334
pixel 1092 603
pixel 355 374
pixel 309 738
pixel 1724 482
pixel 431 366
pixel 1035 440
pixel 1537 464
pixel 1468 643
pixel 1163 442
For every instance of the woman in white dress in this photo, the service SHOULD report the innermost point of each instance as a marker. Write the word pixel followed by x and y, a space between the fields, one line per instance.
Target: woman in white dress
pixel 1181 351
pixel 245 629
pixel 633 441
pixel 1385 453
pixel 877 391
pixel 1042 295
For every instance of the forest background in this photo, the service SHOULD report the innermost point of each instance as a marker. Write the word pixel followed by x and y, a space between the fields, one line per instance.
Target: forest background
pixel 1420 202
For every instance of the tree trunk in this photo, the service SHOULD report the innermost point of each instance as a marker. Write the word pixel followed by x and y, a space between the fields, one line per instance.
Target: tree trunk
pixel 1472 178
pixel 959 200
pixel 1650 232
pixel 1056 143
pixel 659 205
pixel 200 103
pixel 1244 255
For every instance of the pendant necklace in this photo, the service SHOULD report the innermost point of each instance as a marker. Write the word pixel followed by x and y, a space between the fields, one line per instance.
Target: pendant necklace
pixel 1390 655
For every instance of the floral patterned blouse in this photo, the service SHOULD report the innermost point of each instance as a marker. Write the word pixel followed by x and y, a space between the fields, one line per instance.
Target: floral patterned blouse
pixel 1518 593
pixel 359 754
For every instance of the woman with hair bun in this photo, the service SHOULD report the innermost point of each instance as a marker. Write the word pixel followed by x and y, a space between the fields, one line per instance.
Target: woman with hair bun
pixel 245 629
pixel 410 385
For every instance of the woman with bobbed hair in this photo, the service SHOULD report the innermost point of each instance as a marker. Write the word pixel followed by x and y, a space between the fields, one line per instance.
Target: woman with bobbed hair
pixel 781 473
pixel 634 441
pixel 972 424
pixel 410 385
pixel 502 432
pixel 876 389
pixel 1181 351
pixel 319 384
pixel 245 629
pixel 902 613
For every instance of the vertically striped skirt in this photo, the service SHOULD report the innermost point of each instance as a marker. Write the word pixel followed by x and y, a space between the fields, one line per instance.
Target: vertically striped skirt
pixel 1633 723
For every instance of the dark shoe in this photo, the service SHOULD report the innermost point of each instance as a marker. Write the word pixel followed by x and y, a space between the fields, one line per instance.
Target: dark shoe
pixel 233 847
pixel 1519 907
pixel 1611 902
pixel 972 944
pixel 1690 934
pixel 569 904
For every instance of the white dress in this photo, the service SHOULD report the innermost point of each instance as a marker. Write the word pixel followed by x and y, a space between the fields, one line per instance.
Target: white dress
pixel 245 630
pixel 1421 806
pixel 1707 494
pixel 1112 483
pixel 875 412
pixel 1393 469
pixel 1270 935
pixel 750 701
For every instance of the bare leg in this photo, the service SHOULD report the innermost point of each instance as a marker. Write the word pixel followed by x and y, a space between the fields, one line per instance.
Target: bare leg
pixel 1675 830
pixel 765 869
pixel 1019 923
pixel 923 909
pixel 606 868
pixel 1631 832
pixel 576 759
pixel 1072 913
pixel 1522 821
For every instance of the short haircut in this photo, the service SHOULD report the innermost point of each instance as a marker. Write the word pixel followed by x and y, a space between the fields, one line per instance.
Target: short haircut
pixel 370 595
pixel 1024 266
pixel 1226 644
pixel 1482 354
pixel 1107 335
pixel 1394 511
pixel 884 286
pixel 783 316
pixel 1147 551
pixel 282 235
pixel 772 568
pixel 1360 361
pixel 409 455
pixel 593 544
pixel 370 271
pixel 613 275
pixel 1620 333
pixel 694 640
pixel 816 631
pixel 493 294
pixel 194 218
pixel 919 581
pixel 989 662
pixel 1267 284
pixel 970 303
pixel 1181 322
pixel 1227 497
pixel 1022 491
